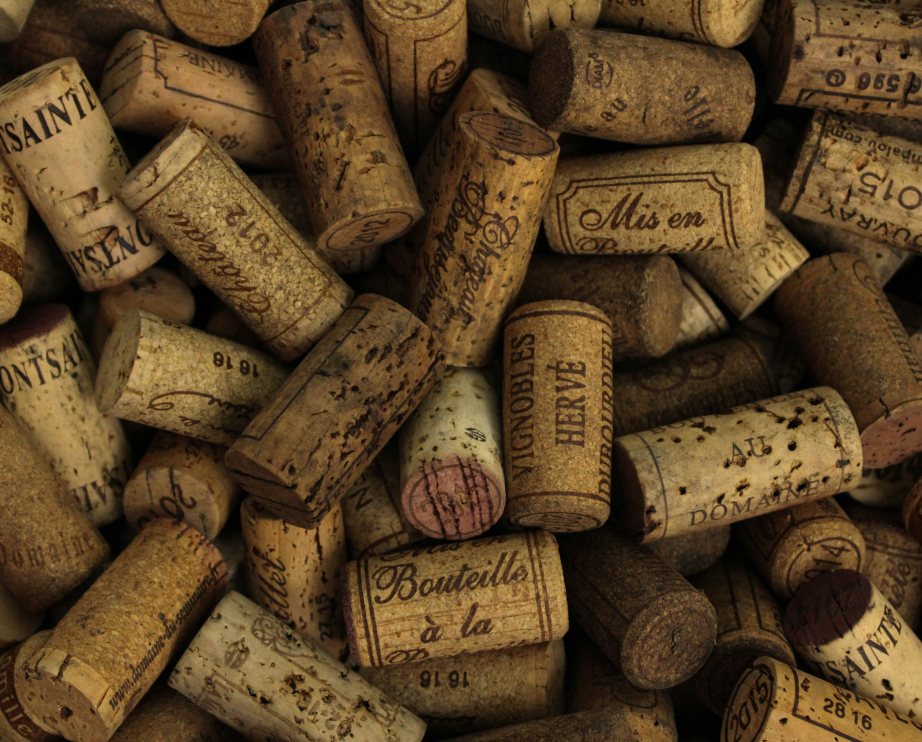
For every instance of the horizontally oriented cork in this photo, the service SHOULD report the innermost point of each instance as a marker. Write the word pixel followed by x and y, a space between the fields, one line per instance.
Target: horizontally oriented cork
pixel 702 319
pixel 182 478
pixel 484 690
pixel 722 468
pixel 16 623
pixel 557 416
pixel 525 25
pixel 72 180
pixel 452 484
pixel 666 200
pixel 454 599
pixel 46 276
pixel 334 117
pixel 639 89
pixel 13 14
pixel 216 22
pixel 646 618
pixel 691 553
pixel 251 671
pixel 601 725
pixel 14 212
pixel 172 377
pixel 284 193
pixel 888 487
pixel 106 21
pixel 16 724
pixel 347 397
pixel 149 603
pixel 851 339
pixel 167 716
pixel 776 347
pixel 495 178
pixel 200 204
pixel 706 21
pixel 293 572
pixel 151 83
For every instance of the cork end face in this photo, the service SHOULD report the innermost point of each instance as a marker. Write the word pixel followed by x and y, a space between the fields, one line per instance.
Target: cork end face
pixel 10 297
pixel 33 323
pixel 626 480
pixel 215 22
pixel 550 83
pixel 154 495
pixel 827 608
pixel 508 134
pixel 358 235
pixel 728 23
pixel 117 360
pixel 752 699
pixel 155 290
pixel 67 69
pixel 661 316
pixel 893 437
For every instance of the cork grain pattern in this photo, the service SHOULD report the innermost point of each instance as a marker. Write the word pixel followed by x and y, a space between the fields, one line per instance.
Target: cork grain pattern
pixel 718 22
pixel 15 723
pixel 216 22
pixel 166 716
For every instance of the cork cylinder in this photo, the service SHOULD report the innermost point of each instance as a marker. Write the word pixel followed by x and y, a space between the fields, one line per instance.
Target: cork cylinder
pixel 217 22
pixel 13 14
pixel 692 553
pixel 167 716
pixel 601 725
pixel 557 416
pixel 284 192
pixel 702 319
pixel 185 479
pixel 72 181
pixel 106 21
pixel 202 206
pixel 454 599
pixel 723 468
pixel 776 347
pixel 334 117
pixel 338 409
pixel 912 511
pixel 16 724
pixel 292 572
pixel 749 626
pixel 710 22
pixel 496 178
pixel 47 381
pixel 250 671
pixel 171 377
pixel 525 25
pixel 16 623
pixel 639 89
pixel 484 690
pixel 150 602
pixel 666 200
pixel 888 487
pixel 851 339
pixel 14 212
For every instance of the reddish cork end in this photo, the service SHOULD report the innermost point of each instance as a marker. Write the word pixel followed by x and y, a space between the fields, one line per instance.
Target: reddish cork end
pixel 32 323
pixel 827 607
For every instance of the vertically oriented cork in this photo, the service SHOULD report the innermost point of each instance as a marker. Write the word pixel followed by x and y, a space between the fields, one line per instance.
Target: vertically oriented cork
pixel 525 25
pixel 16 724
pixel 167 716
pixel 14 212
pixel 705 21
pixel 217 22
pixel 702 319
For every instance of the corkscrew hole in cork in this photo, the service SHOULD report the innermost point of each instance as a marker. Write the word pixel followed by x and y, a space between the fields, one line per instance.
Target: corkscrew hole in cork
pixel 66 713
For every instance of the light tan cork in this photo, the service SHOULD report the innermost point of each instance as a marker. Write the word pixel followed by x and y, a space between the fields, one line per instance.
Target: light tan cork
pixel 284 193
pixel 715 22
pixel 851 339
pixel 172 377
pixel 46 276
pixel 640 90
pixel 452 484
pixel 334 117
pixel 16 723
pixel 722 468
pixel 72 181
pixel 665 200
pixel 185 479
pixel 600 725
pixel 200 203
pixel 47 381
pixel 16 623
pixel 454 599
pixel 495 178
pixel 293 572
pixel 14 213
pixel 557 416
pixel 691 553
pixel 13 14
pixel 484 690
pixel 776 347
pixel 251 671
pixel 525 25
pixel 888 487
pixel 167 716
pixel 217 22
pixel 151 83
pixel 333 415
pixel 702 319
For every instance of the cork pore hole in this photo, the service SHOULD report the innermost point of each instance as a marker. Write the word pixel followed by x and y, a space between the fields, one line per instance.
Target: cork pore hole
pixel 117 360
pixel 827 607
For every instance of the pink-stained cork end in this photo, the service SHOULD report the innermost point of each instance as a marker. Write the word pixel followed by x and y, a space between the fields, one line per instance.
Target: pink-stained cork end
pixel 827 607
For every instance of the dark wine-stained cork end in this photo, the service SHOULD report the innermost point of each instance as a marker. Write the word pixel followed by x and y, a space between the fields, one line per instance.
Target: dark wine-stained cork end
pixel 550 84
pixel 827 607
pixel 32 323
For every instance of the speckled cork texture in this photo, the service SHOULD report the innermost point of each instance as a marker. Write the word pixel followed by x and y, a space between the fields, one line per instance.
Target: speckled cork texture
pixel 601 725
pixel 284 193
pixel 525 25
pixel 106 21
pixel 72 180
pixel 249 669
pixel 691 553
pixel 646 618
pixel 14 212
pixel 167 716
pixel 778 350
pixel 16 623
pixel 714 22
pixel 216 22
pixel 702 319
pixel 13 14
pixel 640 90
pixel 454 598
pixel 557 416
pixel 16 725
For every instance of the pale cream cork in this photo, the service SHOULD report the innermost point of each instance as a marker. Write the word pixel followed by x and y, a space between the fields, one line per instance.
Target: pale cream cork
pixel 284 193
pixel 722 468
pixel 151 83
pixel 72 180
pixel 248 669
pixel 600 725
pixel 691 553
pixel 16 723
pixel 217 22
pixel 887 487
pixel 715 22
pixel 452 483
pixel 334 117
pixel 14 213
pixel 557 416
pixel 525 25
pixel 172 377
pixel 47 381
pixel 702 319
pixel 191 194
pixel 665 200
pixel 46 275
pixel 167 716
pixel 13 14
pixel 776 347
pixel 293 572
pixel 483 690
pixel 16 623
pixel 454 599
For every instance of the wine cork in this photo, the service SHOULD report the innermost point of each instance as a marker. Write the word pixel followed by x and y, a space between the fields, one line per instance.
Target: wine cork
pixel 284 193
pixel 912 511
pixel 16 724
pixel 107 21
pixel 692 553
pixel 910 315
pixel 646 618
pixel 890 123
pixel 171 377
pixel 348 396
pixel 526 25
pixel 776 347
pixel 199 202
pixel 355 179
pixel 558 406
pixel 702 319
pixel 16 623
pixel 185 479
pixel 292 572
pixel 452 484
pixel 150 84
pixel 496 178
pixel 47 380
pixel 46 276
pixel 225 323
pixel 851 339
pixel 72 181
pixel 248 669
pixel 13 14
pixel 667 200
pixel 664 92
pixel 166 716
pixel 749 626
pixel 642 295
pixel 473 692
pixel 14 212
pixel 454 599
pixel 887 487
pixel 601 725
pixel 749 461
pixel 217 22
pixel 714 23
